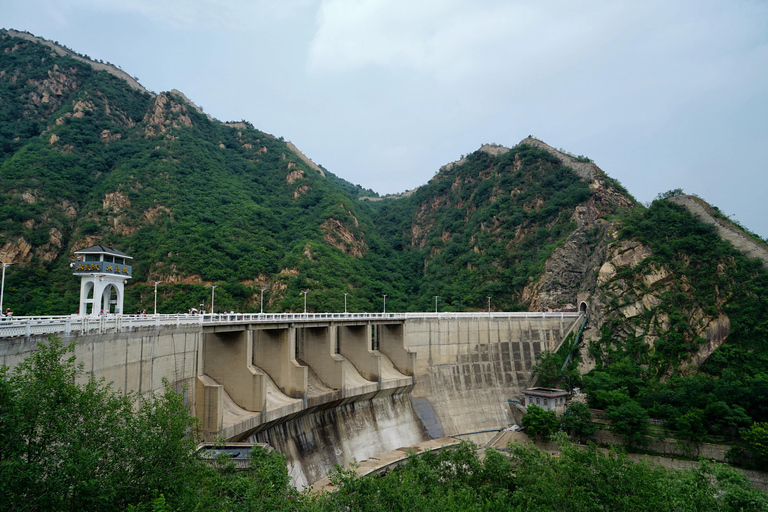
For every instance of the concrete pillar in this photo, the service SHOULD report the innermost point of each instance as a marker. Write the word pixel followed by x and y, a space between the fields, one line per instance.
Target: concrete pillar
pixel 355 345
pixel 317 349
pixel 100 284
pixel 274 350
pixel 227 358
pixel 209 404
pixel 392 345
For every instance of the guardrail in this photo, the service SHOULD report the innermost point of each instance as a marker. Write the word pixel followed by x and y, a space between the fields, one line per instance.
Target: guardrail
pixel 67 325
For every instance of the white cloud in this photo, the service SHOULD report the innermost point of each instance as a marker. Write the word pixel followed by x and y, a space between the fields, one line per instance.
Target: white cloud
pixel 238 15
pixel 457 36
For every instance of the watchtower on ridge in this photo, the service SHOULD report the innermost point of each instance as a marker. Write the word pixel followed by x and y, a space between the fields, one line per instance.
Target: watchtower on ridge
pixel 103 271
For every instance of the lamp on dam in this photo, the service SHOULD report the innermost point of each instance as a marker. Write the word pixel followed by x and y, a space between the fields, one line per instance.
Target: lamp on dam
pixel 2 287
pixel 436 296
pixel 213 290
pixel 305 292
pixel 385 303
pixel 345 303
pixel 262 300
pixel 156 283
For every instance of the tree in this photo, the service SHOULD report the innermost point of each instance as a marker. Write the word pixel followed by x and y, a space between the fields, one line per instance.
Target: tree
pixel 756 438
pixel 577 421
pixel 630 421
pixel 691 426
pixel 70 446
pixel 540 423
pixel 548 368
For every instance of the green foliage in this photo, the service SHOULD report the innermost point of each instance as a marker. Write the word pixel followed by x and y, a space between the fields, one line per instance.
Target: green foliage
pixel 540 423
pixel 70 446
pixel 630 421
pixel 577 421
pixel 493 222
pixel 548 368
pixel 586 480
pixel 532 480
pixel 669 193
pixel 710 276
pixel 756 438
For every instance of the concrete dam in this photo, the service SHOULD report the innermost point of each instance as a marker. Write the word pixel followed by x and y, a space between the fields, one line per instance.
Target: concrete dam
pixel 324 389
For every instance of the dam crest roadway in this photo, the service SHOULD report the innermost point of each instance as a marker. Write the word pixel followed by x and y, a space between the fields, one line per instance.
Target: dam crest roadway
pixel 323 388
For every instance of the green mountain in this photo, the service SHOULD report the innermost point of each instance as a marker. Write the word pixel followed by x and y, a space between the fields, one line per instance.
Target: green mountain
pixel 677 295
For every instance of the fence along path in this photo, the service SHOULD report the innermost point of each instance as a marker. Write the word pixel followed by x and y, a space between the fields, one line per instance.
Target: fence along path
pixel 81 325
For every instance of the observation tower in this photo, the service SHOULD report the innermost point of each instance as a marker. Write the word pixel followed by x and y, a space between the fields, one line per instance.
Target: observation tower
pixel 103 272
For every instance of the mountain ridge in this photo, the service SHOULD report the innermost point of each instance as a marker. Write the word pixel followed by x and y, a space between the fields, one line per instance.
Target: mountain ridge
pixel 677 315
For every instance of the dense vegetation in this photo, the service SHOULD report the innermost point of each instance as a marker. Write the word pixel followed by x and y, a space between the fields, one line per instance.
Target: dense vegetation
pixel 484 227
pixel 730 391
pixel 85 159
pixel 69 446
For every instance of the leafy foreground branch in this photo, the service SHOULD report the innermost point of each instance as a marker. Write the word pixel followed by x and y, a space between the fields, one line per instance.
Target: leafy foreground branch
pixel 65 446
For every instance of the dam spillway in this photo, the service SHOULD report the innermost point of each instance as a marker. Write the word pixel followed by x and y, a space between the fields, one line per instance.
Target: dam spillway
pixel 325 391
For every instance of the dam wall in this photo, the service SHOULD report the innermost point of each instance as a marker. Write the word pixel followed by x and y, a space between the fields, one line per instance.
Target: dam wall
pixel 327 392
pixel 464 369
pixel 467 368
pixel 137 361
pixel 357 431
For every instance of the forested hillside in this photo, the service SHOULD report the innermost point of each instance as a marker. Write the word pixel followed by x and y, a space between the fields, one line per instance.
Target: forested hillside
pixel 88 159
pixel 677 315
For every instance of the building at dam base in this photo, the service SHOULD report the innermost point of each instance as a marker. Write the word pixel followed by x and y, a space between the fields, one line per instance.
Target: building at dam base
pixel 329 392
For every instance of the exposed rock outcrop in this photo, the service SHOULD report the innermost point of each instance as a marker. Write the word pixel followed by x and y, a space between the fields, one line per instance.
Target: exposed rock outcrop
pixel 109 68
pixel 726 229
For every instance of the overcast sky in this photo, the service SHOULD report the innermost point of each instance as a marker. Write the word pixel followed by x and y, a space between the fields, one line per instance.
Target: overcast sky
pixel 661 94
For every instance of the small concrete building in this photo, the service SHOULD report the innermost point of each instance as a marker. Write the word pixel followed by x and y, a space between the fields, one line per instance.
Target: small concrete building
pixel 103 272
pixel 549 399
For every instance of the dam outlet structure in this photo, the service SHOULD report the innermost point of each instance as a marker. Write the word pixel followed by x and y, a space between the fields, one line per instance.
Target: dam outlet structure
pixel 324 389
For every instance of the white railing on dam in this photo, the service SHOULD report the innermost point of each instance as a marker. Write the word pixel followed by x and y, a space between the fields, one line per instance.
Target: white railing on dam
pixel 76 324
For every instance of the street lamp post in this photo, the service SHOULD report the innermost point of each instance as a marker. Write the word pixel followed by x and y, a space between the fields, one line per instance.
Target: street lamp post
pixel 305 301
pixel 489 305
pixel 2 287
pixel 262 300
pixel 156 283
pixel 213 295
pixel 345 303
pixel 436 296
pixel 385 303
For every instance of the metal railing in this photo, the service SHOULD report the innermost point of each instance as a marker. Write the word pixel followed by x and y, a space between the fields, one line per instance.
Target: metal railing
pixel 67 325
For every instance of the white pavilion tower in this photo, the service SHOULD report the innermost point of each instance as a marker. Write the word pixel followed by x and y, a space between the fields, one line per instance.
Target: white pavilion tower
pixel 103 271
